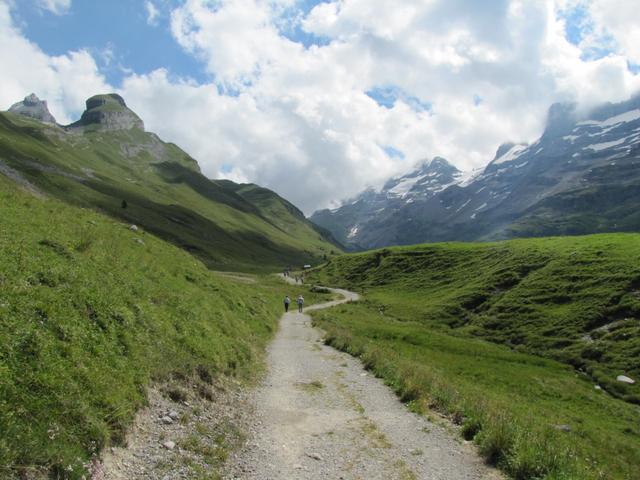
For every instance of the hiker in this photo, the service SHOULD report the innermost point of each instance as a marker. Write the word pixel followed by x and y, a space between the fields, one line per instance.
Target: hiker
pixel 300 302
pixel 287 301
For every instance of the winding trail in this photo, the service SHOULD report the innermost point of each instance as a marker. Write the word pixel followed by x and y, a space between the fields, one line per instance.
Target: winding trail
pixel 320 415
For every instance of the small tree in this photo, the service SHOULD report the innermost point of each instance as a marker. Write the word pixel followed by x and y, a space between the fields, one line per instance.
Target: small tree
pixel 124 204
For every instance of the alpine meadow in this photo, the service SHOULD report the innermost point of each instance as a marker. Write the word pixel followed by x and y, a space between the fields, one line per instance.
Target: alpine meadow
pixel 319 239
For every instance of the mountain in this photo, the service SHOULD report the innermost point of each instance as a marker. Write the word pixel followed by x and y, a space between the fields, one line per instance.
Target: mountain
pixel 33 107
pixel 108 162
pixel 581 176
pixel 351 223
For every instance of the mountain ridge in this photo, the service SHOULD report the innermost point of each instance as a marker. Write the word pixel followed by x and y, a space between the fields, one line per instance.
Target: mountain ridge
pixel 525 190
pixel 108 162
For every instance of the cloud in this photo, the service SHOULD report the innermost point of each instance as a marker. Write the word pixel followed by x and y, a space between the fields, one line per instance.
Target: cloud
pixel 66 81
pixel 319 103
pixel 57 7
pixel 619 19
pixel 152 13
pixel 409 78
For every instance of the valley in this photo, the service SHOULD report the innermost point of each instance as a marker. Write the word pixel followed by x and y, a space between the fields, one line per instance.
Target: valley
pixel 133 287
pixel 319 240
pixel 524 344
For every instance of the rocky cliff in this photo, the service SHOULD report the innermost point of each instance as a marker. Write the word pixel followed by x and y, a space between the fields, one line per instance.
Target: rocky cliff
pixel 108 112
pixel 33 107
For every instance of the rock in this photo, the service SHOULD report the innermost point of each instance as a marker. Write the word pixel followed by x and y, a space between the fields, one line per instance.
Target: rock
pixel 109 112
pixel 33 107
pixel 169 445
pixel 562 428
pixel 134 228
pixel 167 420
pixel 314 455
pixel 625 379
pixel 598 387
pixel 139 241
pixel 174 415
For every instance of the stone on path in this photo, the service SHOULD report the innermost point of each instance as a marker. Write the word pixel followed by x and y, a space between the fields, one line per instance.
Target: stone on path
pixel 169 445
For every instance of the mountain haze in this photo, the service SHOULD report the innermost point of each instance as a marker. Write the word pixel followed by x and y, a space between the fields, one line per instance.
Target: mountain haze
pixel 581 176
pixel 107 161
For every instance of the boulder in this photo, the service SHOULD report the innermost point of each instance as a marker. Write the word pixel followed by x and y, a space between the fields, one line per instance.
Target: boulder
pixel 625 379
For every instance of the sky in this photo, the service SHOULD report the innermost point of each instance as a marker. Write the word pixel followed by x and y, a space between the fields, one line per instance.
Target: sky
pixel 318 100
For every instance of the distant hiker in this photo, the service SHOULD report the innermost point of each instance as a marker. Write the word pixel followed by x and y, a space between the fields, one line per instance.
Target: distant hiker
pixel 287 301
pixel 300 302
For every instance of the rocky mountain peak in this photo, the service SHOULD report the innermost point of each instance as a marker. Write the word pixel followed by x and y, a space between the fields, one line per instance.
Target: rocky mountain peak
pixel 109 112
pixel 33 107
pixel 504 148
pixel 561 118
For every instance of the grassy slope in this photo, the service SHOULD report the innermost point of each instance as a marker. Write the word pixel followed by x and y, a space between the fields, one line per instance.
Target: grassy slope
pixel 542 297
pixel 164 191
pixel 89 316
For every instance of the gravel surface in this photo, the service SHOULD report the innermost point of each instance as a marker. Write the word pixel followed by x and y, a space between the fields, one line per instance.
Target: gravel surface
pixel 319 415
pixel 185 439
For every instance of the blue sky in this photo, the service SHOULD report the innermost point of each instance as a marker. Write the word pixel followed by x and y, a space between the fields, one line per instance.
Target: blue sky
pixel 320 99
pixel 118 34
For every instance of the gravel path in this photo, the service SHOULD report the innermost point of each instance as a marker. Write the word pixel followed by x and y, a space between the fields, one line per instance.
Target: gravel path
pixel 320 415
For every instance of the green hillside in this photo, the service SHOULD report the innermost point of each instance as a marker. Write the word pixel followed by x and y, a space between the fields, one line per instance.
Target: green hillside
pixel 429 309
pixel 91 313
pixel 98 163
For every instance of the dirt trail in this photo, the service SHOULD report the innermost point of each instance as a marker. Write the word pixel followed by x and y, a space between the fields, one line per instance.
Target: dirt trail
pixel 320 415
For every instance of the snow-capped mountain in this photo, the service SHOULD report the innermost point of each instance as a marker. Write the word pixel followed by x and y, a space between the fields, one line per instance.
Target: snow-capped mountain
pixel 581 176
pixel 352 221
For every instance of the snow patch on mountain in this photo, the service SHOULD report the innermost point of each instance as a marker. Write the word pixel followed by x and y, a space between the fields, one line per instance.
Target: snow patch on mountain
pixel 604 145
pixel 467 178
pixel 510 155
pixel 625 117
pixel 405 186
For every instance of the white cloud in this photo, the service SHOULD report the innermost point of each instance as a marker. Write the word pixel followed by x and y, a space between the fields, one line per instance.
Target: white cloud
pixel 58 7
pixel 620 19
pixel 152 13
pixel 65 81
pixel 298 120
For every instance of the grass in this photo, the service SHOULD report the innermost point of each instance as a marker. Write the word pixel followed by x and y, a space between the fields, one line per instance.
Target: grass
pixel 89 317
pixel 228 226
pixel 527 397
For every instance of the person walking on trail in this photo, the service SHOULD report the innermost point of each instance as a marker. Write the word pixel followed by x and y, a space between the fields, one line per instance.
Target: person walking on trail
pixel 300 302
pixel 287 301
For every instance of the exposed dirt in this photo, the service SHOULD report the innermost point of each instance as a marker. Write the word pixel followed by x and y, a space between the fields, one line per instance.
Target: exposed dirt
pixel 319 414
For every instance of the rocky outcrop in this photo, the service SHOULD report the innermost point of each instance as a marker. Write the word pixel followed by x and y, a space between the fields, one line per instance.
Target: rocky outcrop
pixel 108 112
pixel 33 107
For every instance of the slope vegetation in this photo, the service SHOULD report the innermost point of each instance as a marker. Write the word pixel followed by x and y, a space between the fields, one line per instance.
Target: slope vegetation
pixel 107 161
pixel 91 312
pixel 429 310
